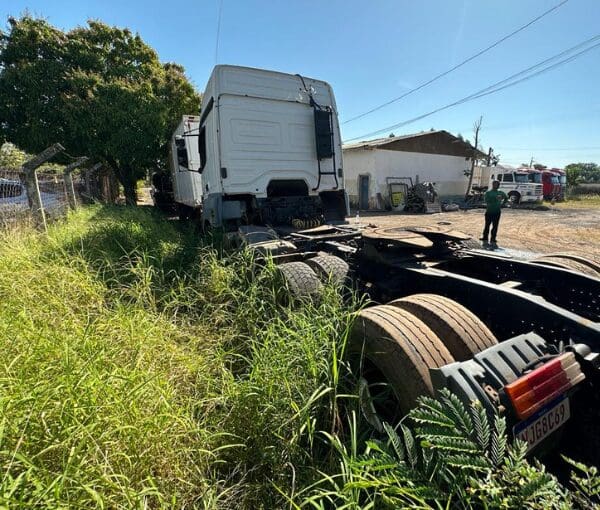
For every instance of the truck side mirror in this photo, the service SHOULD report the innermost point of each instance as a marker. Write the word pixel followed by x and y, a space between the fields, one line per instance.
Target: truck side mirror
pixel 182 156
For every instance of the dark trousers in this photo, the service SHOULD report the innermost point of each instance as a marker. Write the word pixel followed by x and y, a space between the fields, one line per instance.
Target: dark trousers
pixel 492 219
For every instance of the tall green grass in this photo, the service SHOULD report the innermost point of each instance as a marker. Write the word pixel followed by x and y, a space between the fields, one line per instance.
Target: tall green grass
pixel 143 368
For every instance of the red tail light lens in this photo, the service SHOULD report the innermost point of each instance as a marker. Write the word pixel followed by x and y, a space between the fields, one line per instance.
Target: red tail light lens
pixel 542 385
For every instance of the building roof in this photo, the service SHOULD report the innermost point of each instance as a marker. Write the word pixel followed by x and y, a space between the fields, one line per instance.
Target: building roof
pixel 429 142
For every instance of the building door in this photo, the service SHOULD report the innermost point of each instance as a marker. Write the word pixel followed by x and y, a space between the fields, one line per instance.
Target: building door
pixel 363 192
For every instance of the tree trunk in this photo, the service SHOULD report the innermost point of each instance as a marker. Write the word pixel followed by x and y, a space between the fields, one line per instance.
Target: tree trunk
pixel 125 175
pixel 129 186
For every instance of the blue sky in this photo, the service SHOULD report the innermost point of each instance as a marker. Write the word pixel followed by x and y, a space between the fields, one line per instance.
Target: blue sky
pixel 373 51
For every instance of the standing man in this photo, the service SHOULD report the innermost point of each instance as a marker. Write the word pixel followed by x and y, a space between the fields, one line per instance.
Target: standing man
pixel 494 200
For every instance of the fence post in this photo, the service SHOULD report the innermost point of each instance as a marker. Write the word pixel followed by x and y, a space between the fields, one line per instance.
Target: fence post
pixel 69 181
pixel 28 170
pixel 88 181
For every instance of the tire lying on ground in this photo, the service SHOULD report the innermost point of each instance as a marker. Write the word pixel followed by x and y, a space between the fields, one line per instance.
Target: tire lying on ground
pixel 389 347
pixel 301 280
pixel 460 330
pixel 570 261
pixel 330 268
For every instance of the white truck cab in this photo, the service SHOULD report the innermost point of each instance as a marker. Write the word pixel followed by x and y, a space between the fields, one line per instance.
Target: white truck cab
pixel 516 185
pixel 184 160
pixel 269 151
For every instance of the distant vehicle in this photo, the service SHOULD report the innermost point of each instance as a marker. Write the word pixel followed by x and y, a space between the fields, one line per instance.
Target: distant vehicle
pixel 562 182
pixel 551 185
pixel 517 185
pixel 14 201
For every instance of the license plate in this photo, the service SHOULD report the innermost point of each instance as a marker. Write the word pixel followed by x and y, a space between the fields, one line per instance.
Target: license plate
pixel 539 426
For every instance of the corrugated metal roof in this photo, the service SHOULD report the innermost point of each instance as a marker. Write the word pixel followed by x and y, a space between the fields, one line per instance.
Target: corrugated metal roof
pixel 382 142
pixel 378 142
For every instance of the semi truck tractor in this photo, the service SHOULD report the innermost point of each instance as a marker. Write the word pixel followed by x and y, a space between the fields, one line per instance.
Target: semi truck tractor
pixel 521 336
pixel 268 151
pixel 180 188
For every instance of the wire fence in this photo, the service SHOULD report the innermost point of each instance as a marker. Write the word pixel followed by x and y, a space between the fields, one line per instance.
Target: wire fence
pixel 32 194
pixel 17 206
pixel 14 206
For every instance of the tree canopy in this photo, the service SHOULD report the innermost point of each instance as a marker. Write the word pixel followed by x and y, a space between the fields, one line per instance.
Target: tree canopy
pixel 582 172
pixel 100 91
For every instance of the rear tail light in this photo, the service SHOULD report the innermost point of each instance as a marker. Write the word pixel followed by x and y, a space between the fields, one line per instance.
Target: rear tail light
pixel 542 385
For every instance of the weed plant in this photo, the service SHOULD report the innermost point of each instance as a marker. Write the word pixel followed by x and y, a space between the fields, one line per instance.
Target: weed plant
pixel 143 367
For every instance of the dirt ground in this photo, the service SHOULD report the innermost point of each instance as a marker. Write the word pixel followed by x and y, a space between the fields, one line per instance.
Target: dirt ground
pixel 564 229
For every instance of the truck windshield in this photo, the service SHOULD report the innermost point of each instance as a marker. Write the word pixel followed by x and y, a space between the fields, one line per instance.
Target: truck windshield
pixel 555 179
pixel 537 178
pixel 562 179
pixel 521 177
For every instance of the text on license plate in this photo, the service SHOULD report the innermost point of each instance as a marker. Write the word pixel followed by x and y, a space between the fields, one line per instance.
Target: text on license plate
pixel 539 426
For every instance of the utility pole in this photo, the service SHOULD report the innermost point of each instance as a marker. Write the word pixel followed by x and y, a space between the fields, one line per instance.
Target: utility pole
pixel 476 129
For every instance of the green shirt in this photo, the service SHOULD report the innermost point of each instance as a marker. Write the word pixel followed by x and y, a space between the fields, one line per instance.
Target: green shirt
pixel 494 200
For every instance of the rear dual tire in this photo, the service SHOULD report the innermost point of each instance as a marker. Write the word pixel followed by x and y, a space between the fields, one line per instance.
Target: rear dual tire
pixel 402 348
pixel 572 262
pixel 393 347
pixel 330 269
pixel 300 279
pixel 460 330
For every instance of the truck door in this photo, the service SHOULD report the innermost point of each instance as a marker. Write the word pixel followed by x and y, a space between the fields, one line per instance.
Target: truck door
pixel 363 192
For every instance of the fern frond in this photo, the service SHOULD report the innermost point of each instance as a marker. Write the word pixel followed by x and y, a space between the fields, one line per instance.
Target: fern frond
pixel 449 443
pixel 436 430
pixel 430 464
pixel 499 439
pixel 468 462
pixel 395 441
pixel 456 410
pixel 432 412
pixel 587 487
pixel 481 425
pixel 412 453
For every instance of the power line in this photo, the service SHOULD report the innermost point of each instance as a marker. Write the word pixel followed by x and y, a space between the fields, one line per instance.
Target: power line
pixel 472 57
pixel 218 31
pixel 544 149
pixel 498 86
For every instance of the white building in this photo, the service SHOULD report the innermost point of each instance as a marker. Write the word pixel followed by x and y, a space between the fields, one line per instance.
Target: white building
pixel 370 168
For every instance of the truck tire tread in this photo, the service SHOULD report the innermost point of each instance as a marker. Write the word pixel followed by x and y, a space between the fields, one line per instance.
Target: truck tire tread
pixel 402 347
pixel 301 279
pixel 461 331
pixel 571 261
pixel 330 268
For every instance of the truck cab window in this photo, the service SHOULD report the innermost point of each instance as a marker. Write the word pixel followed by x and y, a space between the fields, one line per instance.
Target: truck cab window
pixel 202 147
pixel 202 135
pixel 507 178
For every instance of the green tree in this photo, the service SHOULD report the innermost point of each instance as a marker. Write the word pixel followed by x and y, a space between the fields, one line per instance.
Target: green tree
pixel 98 90
pixel 573 175
pixel 11 156
pixel 584 172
